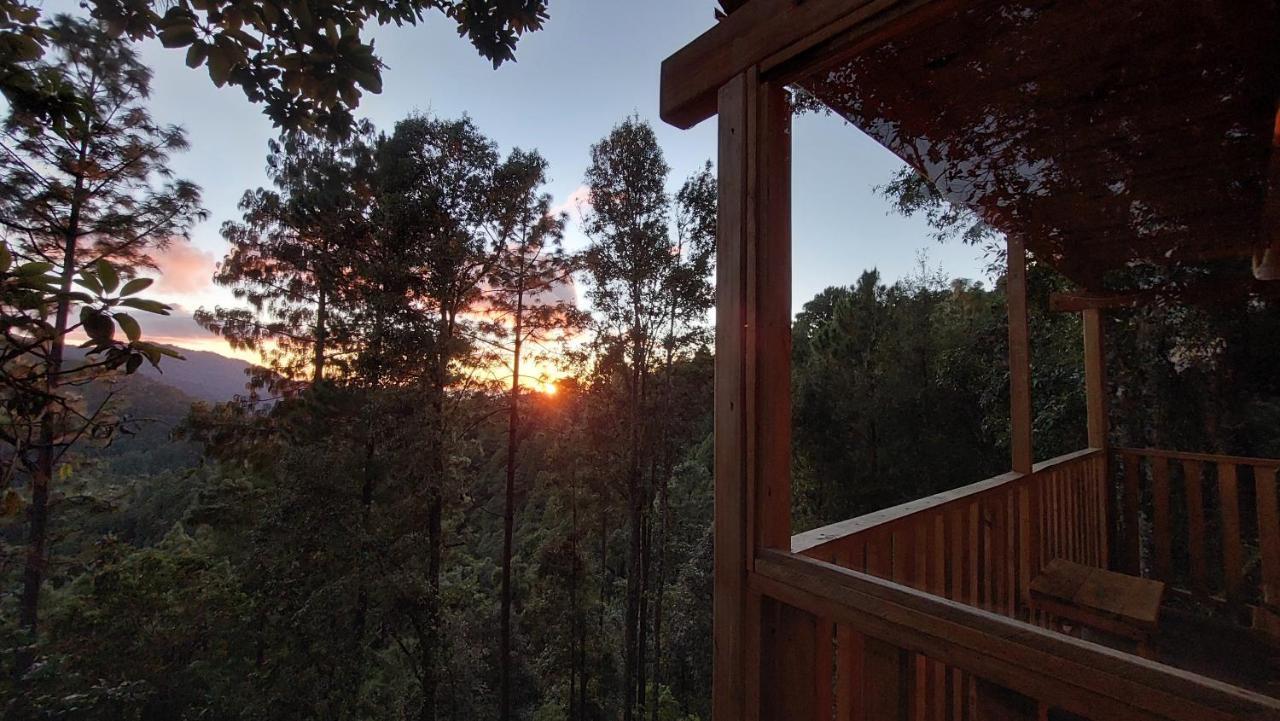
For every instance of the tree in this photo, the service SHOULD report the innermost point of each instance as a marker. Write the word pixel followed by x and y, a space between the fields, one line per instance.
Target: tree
pixel 434 184
pixel 292 254
pixel 84 199
pixel 529 270
pixel 648 292
pixel 307 62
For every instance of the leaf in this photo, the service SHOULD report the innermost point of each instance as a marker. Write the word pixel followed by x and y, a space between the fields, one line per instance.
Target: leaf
pixel 107 273
pixel 98 325
pixel 89 280
pixel 6 258
pixel 134 362
pixel 37 268
pixel 197 53
pixel 150 306
pixel 130 326
pixel 137 285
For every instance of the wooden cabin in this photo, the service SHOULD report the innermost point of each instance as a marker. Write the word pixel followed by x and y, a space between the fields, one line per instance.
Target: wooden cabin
pixel 1103 139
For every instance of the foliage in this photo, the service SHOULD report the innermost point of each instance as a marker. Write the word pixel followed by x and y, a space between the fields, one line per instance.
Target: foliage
pixel 306 62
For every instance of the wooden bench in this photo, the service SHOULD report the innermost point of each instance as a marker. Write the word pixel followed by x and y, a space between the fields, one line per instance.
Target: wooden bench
pixel 1095 598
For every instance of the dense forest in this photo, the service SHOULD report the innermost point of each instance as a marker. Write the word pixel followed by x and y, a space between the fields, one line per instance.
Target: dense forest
pixel 449 491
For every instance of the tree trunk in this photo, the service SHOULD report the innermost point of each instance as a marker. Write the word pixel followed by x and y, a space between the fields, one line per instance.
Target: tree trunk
pixel 630 632
pixel 508 517
pixel 42 475
pixel 322 318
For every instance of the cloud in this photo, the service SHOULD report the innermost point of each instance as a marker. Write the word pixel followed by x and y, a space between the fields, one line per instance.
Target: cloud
pixel 185 269
pixel 577 202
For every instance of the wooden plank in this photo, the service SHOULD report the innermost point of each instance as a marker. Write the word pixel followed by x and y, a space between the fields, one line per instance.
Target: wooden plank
pixel 1129 512
pixel 789 677
pixel 1232 549
pixel 1193 481
pixel 731 549
pixel 849 653
pixel 1063 672
pixel 1268 533
pixel 769 309
pixel 824 668
pixel 887 675
pixel 767 33
pixel 1162 523
pixel 1019 355
pixel 1095 377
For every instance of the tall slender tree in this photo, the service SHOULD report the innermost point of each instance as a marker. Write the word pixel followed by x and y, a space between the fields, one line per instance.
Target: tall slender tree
pixel 87 198
pixel 435 180
pixel 526 297
pixel 629 251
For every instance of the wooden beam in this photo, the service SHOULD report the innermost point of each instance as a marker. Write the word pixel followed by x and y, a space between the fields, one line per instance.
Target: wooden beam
pixel 1019 356
pixel 762 34
pixel 769 308
pixel 753 371
pixel 1219 289
pixel 1095 377
pixel 731 551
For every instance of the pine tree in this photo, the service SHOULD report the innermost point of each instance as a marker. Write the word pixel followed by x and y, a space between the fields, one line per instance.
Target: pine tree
pixel 526 283
pixel 292 253
pixel 88 199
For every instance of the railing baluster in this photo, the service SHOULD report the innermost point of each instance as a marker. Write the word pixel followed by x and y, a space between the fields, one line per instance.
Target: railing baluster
pixel 1232 550
pixel 1162 528
pixel 1132 496
pixel 1192 474
pixel 886 681
pixel 849 670
pixel 1268 532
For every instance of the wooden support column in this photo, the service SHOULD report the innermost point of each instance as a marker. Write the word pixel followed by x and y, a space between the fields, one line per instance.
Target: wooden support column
pixel 1095 377
pixel 1095 391
pixel 752 383
pixel 1019 356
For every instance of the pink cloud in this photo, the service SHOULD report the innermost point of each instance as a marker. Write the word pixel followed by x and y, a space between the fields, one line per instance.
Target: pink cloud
pixel 577 202
pixel 185 269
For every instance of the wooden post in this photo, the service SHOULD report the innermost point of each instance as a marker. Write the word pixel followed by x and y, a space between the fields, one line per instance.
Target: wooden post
pixel 1095 378
pixel 1095 391
pixel 1019 356
pixel 752 376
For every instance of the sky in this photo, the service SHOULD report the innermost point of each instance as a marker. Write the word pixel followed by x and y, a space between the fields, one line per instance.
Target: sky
pixel 594 63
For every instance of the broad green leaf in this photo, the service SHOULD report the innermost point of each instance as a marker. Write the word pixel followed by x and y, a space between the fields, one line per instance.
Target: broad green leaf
pixel 130 326
pixel 107 273
pixel 150 306
pixel 90 280
pixel 6 258
pixel 37 268
pixel 137 285
pixel 98 325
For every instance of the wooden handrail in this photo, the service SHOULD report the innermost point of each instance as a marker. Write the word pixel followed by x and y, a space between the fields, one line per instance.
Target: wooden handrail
pixel 809 540
pixel 1204 457
pixel 1056 670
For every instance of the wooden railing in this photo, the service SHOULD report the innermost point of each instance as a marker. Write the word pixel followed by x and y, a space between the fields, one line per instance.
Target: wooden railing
pixel 1206 525
pixel 983 543
pixel 839 645
pixel 979 545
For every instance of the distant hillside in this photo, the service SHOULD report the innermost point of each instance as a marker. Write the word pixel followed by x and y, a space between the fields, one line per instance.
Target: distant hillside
pixel 203 375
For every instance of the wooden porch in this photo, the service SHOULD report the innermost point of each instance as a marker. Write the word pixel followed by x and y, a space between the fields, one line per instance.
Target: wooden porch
pixel 1053 121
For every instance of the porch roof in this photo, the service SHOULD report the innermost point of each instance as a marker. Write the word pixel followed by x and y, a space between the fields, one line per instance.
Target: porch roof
pixel 1109 136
